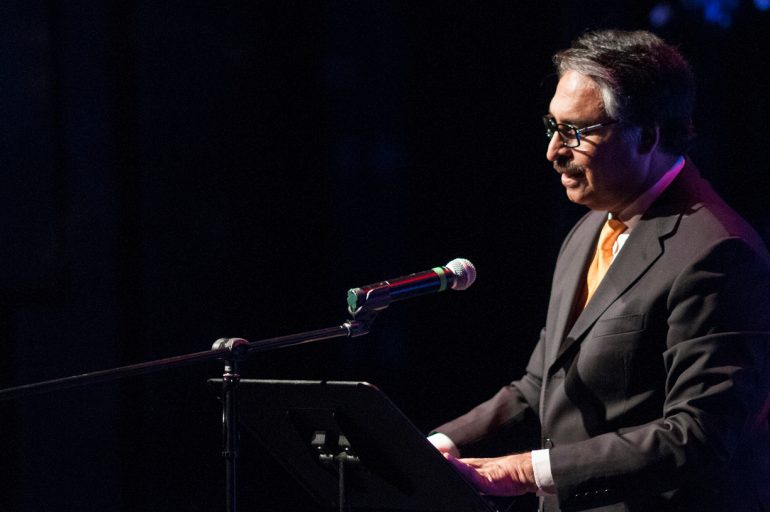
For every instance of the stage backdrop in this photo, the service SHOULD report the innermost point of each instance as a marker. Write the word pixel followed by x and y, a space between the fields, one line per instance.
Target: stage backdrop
pixel 176 172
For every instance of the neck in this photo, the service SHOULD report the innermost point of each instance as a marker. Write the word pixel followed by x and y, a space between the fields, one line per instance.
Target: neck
pixel 657 164
pixel 633 211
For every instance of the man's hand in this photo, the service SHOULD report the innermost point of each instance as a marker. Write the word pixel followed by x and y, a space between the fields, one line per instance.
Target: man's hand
pixel 510 475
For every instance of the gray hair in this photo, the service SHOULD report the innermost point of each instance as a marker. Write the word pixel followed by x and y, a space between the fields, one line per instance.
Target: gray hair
pixel 644 82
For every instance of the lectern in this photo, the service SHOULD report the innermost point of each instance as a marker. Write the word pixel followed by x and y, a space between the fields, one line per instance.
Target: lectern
pixel 347 443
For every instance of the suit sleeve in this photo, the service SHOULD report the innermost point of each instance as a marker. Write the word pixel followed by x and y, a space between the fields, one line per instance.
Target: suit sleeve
pixel 515 404
pixel 718 380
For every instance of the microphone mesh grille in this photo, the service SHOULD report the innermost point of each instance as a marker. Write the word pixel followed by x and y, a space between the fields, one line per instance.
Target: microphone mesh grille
pixel 464 271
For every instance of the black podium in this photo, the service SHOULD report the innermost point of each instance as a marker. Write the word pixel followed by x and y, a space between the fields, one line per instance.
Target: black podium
pixel 346 441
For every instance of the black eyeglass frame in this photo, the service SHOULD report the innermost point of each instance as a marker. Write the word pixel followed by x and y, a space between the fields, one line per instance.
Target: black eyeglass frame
pixel 551 127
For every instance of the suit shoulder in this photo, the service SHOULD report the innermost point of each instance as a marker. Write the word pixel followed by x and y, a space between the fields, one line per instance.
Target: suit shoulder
pixel 710 219
pixel 704 216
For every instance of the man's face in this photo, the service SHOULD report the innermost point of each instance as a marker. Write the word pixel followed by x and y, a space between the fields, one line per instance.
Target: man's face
pixel 605 172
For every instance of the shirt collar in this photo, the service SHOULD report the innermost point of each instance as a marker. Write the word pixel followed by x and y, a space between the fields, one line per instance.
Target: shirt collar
pixel 631 214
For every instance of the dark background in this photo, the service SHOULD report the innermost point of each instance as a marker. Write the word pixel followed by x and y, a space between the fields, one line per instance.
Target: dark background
pixel 175 172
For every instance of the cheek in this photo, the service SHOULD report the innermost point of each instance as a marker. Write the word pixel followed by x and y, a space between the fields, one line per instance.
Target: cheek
pixel 602 172
pixel 593 180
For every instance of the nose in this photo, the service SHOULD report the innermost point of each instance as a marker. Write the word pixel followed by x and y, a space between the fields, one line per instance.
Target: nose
pixel 556 148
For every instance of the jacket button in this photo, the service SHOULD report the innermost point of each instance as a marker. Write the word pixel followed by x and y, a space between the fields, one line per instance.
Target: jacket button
pixel 547 443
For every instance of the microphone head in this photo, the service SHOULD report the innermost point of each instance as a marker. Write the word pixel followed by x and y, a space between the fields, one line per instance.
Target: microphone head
pixel 464 271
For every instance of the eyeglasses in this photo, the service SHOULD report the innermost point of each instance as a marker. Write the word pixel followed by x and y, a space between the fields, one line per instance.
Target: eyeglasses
pixel 569 133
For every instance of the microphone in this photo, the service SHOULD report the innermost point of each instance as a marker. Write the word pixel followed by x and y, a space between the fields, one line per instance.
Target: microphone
pixel 458 274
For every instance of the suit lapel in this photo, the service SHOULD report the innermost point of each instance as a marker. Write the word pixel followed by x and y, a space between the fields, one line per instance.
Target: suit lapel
pixel 569 278
pixel 640 251
pixel 643 247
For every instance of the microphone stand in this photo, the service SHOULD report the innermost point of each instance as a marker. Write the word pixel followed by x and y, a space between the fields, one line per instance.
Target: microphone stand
pixel 232 351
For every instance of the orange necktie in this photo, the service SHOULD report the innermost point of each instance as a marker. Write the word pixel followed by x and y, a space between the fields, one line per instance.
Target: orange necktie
pixel 603 257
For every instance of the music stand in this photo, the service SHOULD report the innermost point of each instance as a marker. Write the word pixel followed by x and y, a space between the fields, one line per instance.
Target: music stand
pixel 347 442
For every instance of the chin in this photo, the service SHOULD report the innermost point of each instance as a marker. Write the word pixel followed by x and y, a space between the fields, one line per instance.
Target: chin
pixel 577 197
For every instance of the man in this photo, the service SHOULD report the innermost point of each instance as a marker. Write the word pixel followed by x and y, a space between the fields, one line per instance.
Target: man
pixel 651 378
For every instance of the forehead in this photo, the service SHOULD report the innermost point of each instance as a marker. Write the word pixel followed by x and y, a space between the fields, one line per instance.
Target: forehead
pixel 577 99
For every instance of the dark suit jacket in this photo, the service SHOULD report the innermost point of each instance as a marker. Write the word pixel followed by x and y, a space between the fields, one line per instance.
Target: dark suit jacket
pixel 655 396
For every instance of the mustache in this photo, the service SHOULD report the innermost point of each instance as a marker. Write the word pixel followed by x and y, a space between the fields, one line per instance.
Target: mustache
pixel 567 167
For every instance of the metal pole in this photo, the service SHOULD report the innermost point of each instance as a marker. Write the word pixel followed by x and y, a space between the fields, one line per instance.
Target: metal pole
pixel 230 417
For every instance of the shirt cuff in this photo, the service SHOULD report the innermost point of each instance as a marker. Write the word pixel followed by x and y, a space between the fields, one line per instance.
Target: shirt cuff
pixel 443 444
pixel 541 466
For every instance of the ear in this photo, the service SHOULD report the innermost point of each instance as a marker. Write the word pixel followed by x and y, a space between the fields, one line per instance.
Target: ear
pixel 648 138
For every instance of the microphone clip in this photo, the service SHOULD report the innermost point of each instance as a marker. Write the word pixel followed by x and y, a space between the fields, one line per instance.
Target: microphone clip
pixel 362 321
